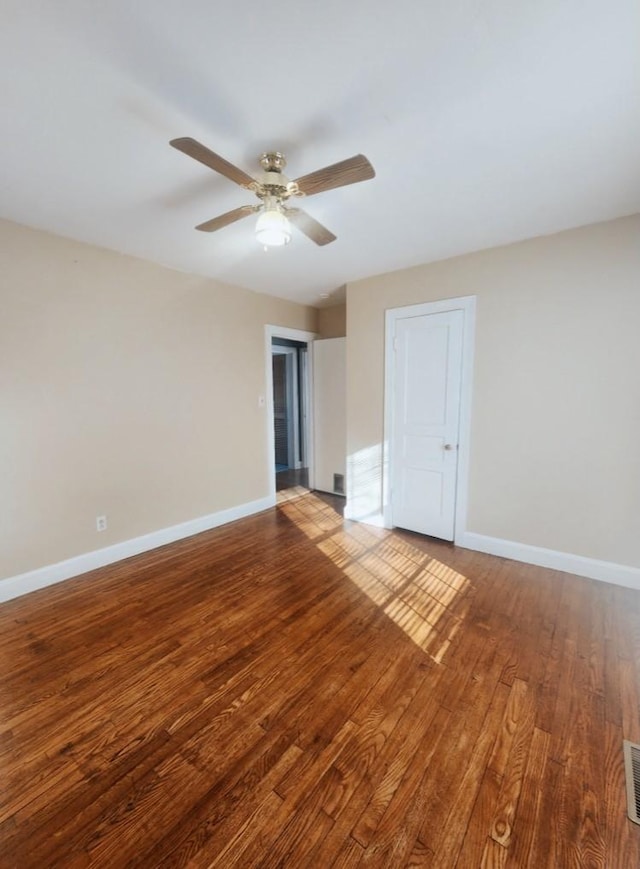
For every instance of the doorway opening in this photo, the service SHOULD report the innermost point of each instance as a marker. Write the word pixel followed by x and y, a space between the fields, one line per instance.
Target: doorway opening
pixel 300 364
pixel 289 369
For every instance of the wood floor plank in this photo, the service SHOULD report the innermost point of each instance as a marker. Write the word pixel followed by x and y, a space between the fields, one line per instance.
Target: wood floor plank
pixel 514 768
pixel 629 679
pixel 240 838
pixel 388 811
pixel 297 690
pixel 422 812
pixel 374 749
pixel 591 721
pixel 180 842
pixel 542 837
pixel 611 676
pixel 225 840
pixel 404 745
pixel 305 826
pixel 479 824
pixel 519 699
pixel 446 839
pixel 494 855
pixel 349 855
pixel 64 825
pixel 527 816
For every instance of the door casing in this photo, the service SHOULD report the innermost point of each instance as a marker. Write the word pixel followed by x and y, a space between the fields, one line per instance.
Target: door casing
pixel 467 304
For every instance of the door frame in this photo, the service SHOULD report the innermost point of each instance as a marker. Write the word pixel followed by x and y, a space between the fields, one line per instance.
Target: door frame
pixel 466 304
pixel 293 335
pixel 293 403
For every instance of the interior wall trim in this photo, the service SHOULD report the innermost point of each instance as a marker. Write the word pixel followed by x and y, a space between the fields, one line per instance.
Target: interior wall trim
pixel 15 586
pixel 604 571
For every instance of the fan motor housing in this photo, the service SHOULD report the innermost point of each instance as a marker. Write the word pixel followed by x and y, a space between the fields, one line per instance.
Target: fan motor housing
pixel 273 184
pixel 274 179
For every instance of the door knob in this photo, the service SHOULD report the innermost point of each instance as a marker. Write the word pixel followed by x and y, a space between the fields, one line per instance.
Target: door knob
pixel 449 447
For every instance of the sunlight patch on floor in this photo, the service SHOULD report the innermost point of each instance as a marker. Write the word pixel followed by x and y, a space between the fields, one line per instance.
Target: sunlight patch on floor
pixel 423 596
pixel 291 494
pixel 312 516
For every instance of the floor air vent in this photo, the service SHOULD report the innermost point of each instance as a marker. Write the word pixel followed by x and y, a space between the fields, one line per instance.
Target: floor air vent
pixel 632 774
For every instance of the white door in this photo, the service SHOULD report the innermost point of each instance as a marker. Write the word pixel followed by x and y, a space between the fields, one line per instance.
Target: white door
pixel 427 377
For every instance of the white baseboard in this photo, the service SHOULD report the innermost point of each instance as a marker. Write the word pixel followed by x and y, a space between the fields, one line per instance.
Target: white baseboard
pixel 15 586
pixel 605 571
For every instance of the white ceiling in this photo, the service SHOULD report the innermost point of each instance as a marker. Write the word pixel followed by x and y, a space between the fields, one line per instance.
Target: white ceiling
pixel 487 121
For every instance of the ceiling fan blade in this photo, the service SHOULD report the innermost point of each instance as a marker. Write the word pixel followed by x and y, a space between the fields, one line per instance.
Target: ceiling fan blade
pixel 194 149
pixel 349 171
pixel 310 226
pixel 227 218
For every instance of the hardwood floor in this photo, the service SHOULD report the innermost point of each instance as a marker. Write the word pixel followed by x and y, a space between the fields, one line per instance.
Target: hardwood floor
pixel 293 690
pixel 291 478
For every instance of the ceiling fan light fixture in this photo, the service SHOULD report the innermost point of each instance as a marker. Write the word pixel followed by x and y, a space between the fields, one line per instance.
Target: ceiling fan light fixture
pixel 273 228
pixel 273 188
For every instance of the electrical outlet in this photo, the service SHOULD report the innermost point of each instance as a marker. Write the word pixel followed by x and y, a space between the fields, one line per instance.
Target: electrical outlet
pixel 101 523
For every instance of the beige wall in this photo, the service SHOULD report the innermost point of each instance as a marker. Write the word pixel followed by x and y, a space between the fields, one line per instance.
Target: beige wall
pixel 332 321
pixel 555 461
pixel 128 390
pixel 329 411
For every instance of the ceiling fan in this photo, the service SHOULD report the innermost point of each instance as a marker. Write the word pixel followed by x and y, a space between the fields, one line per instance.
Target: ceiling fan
pixel 274 189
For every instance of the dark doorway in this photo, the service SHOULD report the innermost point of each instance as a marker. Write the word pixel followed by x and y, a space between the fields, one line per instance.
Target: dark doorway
pixel 290 400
